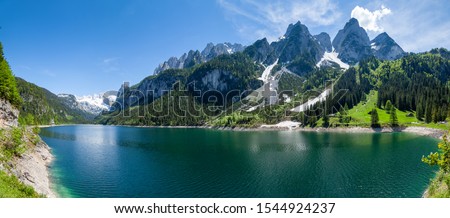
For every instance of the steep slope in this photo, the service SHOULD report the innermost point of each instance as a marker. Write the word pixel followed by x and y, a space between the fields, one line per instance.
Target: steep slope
pixel 261 52
pixel 297 42
pixel 149 89
pixel 9 96
pixel 40 106
pixel 352 43
pixel 385 48
pixel 324 41
pixel 90 104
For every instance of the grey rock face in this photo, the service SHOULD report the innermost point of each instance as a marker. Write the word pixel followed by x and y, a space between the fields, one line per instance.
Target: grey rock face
pixel 211 51
pixel 261 52
pixel 196 57
pixel 352 43
pixel 385 48
pixel 297 42
pixel 9 115
pixel 324 41
pixel 147 90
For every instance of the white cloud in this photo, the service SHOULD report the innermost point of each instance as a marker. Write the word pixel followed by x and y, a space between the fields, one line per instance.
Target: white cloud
pixel 369 20
pixel 270 18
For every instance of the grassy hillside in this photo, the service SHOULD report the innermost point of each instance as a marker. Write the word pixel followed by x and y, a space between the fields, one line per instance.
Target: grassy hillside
pixel 360 116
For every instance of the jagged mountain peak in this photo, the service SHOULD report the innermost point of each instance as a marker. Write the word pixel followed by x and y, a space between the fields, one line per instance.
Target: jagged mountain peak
pixel 297 28
pixel 352 42
pixel 352 22
pixel 324 41
pixel 297 42
pixel 194 57
pixel 385 48
pixel 383 37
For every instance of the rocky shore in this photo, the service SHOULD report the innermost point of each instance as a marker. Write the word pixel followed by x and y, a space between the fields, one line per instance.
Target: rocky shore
pixel 32 169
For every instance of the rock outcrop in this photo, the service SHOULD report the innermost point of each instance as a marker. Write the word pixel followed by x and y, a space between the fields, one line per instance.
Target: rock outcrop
pixel 385 48
pixel 9 115
pixel 352 43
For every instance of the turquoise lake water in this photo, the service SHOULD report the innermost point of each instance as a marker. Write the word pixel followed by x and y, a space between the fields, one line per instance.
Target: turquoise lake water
pixel 109 161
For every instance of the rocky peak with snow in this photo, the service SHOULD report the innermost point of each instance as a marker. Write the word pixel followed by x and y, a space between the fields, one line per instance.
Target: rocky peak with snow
pixel 211 51
pixel 324 41
pixel 192 58
pixel 92 104
pixel 385 48
pixel 352 43
pixel 297 42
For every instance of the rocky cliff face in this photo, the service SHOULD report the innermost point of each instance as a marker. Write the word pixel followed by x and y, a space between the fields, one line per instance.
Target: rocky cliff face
pixel 9 115
pixel 385 48
pixel 297 42
pixel 324 41
pixel 352 43
pixel 261 52
pixel 148 89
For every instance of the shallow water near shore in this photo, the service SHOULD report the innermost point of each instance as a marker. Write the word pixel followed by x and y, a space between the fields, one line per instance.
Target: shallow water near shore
pixel 109 161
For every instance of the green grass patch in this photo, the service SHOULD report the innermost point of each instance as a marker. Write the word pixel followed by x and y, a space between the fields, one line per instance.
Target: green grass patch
pixel 439 186
pixel 11 187
pixel 360 115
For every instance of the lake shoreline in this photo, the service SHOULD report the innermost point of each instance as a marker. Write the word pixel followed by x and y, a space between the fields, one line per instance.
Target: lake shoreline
pixel 422 131
pixel 267 142
pixel 33 168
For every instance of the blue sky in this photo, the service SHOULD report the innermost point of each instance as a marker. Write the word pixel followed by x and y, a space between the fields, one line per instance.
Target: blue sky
pixel 84 47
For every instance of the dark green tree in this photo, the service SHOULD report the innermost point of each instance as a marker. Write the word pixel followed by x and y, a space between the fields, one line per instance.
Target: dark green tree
pixel 428 114
pixel 375 121
pixel 8 87
pixel 393 118
pixel 388 106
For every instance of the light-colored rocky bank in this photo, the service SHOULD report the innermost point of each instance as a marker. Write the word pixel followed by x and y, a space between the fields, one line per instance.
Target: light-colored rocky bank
pixel 295 126
pixel 32 168
pixel 423 131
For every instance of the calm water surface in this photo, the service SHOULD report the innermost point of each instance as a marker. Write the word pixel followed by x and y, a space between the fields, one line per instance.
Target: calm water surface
pixel 108 161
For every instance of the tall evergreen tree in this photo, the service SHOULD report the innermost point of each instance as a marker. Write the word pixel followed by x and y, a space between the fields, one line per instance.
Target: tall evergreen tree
pixel 375 121
pixel 393 118
pixel 428 114
pixel 8 87
pixel 388 106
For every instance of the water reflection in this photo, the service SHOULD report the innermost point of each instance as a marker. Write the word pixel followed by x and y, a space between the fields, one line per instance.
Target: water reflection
pixel 104 161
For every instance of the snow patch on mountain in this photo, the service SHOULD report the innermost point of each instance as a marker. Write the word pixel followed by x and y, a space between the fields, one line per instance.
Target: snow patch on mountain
pixel 93 104
pixel 332 57
pixel 265 75
pixel 322 97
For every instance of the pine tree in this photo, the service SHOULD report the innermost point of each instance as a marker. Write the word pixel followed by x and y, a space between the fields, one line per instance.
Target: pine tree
pixel 419 112
pixel 374 118
pixel 441 158
pixel 428 114
pixel 345 109
pixel 388 107
pixel 8 87
pixel 393 118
